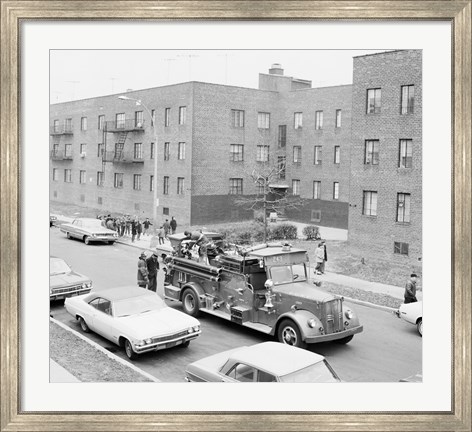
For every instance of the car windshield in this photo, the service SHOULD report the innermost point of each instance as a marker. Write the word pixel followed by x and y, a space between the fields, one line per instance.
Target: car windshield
pixel 94 224
pixel 138 305
pixel 288 273
pixel 58 266
pixel 318 372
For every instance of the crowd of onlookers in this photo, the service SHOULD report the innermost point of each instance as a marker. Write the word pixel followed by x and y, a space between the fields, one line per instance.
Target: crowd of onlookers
pixel 135 227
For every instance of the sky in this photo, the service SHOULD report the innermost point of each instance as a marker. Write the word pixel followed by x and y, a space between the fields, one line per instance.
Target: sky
pixel 81 74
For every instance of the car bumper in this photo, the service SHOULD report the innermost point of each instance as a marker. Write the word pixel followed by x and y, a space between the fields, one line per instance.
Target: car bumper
pixel 102 238
pixel 63 295
pixel 334 336
pixel 166 344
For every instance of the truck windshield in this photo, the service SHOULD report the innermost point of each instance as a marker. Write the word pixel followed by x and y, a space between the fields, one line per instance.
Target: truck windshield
pixel 288 273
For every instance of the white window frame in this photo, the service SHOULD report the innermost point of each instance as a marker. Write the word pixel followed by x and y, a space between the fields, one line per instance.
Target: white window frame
pixel 82 176
pixel 371 152
pixel 318 120
pixel 236 186
pixel 335 190
pixel 180 185
pixel 316 189
pixel 262 153
pixel 137 181
pixel 236 152
pixel 337 155
pixel 405 153
pixel 338 117
pixel 237 118
pixel 296 187
pixel 263 120
pixel 181 151
pixel 369 203
pixel 374 95
pixel 318 155
pixel 182 115
pixel 407 104
pixel 118 181
pixel 298 120
pixel 403 207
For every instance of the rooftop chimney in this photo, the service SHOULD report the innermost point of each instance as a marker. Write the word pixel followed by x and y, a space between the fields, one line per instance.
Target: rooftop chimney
pixel 276 69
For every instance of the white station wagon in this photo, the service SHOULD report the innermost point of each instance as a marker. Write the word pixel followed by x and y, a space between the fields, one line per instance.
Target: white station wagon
pixel 133 318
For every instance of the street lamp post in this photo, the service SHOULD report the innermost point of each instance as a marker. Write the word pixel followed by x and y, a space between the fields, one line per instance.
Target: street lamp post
pixel 153 125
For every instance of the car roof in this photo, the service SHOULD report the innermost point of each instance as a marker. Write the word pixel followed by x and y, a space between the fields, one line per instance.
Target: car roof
pixel 87 219
pixel 275 250
pixel 121 293
pixel 277 358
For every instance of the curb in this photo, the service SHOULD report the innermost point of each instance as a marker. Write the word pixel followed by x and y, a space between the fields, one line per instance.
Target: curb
pixel 106 352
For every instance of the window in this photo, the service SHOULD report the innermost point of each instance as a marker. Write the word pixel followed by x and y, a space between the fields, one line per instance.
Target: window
pixel 282 138
pixel 100 178
pixel 82 179
pixel 83 123
pixel 101 122
pixel 405 153
pixel 298 120
pixel 55 174
pixel 83 149
pixel 100 200
pixel 153 117
pixel 68 175
pixel 237 118
pixel 403 207
pixel 55 149
pixel 151 183
pixel 181 151
pixel 316 215
pixel 260 188
pixel 369 207
pixel 337 153
pixel 263 120
pixel 182 115
pixel 262 153
pixel 371 154
pixel 235 186
pixel 138 150
pixel 138 119
pixel 166 151
pixel 82 198
pixel 373 101
pixel 338 118
pixel 243 373
pixel 137 181
pixel 68 151
pixel 336 190
pixel 120 121
pixel 153 149
pixel 295 187
pixel 297 154
pixel 318 120
pixel 68 125
pixel 118 182
pixel 180 185
pixel 318 154
pixel 236 152
pixel 56 126
pixel 316 189
pixel 166 186
pixel 400 248
pixel 137 206
pixel 408 99
pixel 281 167
pixel 165 211
pixel 100 149
pixel 167 117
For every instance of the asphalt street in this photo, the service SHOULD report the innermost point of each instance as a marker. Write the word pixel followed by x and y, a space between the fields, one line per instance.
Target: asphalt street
pixel 389 349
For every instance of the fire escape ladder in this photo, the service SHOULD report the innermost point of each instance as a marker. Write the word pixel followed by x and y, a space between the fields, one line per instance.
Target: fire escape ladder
pixel 120 145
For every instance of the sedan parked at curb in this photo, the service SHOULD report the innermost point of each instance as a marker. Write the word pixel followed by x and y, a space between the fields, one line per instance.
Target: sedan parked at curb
pixel 64 282
pixel 134 318
pixel 412 313
pixel 89 230
pixel 264 362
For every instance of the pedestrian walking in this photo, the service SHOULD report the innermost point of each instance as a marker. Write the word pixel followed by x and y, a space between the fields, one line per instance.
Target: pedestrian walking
pixel 161 235
pixel 146 224
pixel 166 226
pixel 139 229
pixel 319 258
pixel 153 267
pixel 323 265
pixel 173 225
pixel 134 229
pixel 143 278
pixel 410 289
pixel 128 225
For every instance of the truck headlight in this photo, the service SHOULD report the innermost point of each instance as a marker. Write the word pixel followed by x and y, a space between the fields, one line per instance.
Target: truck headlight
pixel 349 314
pixel 312 323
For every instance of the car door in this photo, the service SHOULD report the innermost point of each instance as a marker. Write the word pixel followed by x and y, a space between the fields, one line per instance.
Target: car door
pixel 102 317
pixel 76 229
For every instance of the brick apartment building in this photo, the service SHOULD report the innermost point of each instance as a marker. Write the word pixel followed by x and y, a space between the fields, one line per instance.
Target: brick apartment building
pixel 208 139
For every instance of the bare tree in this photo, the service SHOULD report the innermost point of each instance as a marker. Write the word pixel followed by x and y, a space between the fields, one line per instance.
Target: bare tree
pixel 271 197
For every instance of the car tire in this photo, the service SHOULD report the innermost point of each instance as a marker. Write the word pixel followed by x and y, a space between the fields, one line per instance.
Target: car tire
pixel 129 350
pixel 185 344
pixel 83 325
pixel 87 240
pixel 419 326
pixel 289 334
pixel 190 302
pixel 344 340
pixel 68 235
pixel 111 242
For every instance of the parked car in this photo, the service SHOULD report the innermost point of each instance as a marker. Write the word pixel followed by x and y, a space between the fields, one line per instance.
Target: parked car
pixel 52 220
pixel 264 362
pixel 412 313
pixel 64 282
pixel 89 230
pixel 134 318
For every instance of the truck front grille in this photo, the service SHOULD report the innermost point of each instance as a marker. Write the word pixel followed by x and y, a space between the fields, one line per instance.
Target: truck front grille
pixel 333 316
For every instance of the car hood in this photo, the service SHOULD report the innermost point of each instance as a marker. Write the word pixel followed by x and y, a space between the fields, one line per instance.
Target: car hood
pixel 158 323
pixel 71 278
pixel 303 290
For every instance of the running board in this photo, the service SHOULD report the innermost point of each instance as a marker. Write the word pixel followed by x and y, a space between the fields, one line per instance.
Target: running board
pixel 255 326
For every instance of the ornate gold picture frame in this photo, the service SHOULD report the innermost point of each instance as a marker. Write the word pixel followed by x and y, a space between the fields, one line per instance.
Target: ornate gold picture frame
pixel 456 12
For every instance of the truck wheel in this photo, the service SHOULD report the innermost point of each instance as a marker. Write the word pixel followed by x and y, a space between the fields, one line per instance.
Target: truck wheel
pixel 345 340
pixel 190 302
pixel 419 326
pixel 290 334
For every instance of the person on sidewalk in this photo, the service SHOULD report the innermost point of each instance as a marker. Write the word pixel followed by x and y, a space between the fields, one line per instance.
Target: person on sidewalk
pixel 161 235
pixel 146 224
pixel 143 278
pixel 152 267
pixel 134 229
pixel 128 225
pixel 410 289
pixel 325 257
pixel 173 225
pixel 166 226
pixel 139 229
pixel 319 258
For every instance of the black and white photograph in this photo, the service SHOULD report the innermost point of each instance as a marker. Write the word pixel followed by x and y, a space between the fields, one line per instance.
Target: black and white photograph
pixel 236 215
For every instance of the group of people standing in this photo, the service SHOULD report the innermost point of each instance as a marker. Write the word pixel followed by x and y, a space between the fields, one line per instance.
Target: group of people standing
pixel 321 256
pixel 165 229
pixel 148 268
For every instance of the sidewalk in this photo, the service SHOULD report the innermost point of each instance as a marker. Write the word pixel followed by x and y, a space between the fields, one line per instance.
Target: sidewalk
pixel 57 374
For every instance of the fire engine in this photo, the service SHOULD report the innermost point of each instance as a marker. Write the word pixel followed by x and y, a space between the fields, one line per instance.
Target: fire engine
pixel 265 287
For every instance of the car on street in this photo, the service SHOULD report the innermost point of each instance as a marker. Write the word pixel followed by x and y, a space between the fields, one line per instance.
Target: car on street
pixel 413 314
pixel 64 282
pixel 89 230
pixel 52 220
pixel 264 362
pixel 134 318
